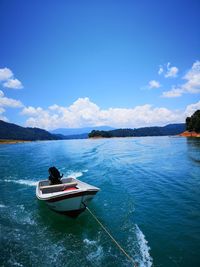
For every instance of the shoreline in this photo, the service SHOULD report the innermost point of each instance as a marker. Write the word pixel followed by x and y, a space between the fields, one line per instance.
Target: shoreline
pixel 113 137
pixel 5 141
pixel 190 134
pixel 184 134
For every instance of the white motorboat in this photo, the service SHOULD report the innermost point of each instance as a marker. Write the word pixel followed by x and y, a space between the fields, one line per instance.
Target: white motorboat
pixel 70 197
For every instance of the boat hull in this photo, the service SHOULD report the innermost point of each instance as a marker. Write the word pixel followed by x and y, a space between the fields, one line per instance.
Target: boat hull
pixel 71 213
pixel 69 202
pixel 71 205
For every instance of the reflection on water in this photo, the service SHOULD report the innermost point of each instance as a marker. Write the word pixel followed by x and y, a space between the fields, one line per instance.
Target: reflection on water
pixel 194 148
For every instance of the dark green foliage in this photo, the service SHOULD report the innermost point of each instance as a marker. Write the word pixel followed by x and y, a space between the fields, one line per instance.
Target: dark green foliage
pixel 193 122
pixel 122 133
pixel 97 133
pixel 171 129
pixel 14 132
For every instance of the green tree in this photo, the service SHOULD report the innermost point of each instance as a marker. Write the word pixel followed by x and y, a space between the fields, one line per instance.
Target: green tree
pixel 193 122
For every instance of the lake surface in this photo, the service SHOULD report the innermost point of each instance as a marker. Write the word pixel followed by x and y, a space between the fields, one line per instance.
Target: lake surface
pixel 149 201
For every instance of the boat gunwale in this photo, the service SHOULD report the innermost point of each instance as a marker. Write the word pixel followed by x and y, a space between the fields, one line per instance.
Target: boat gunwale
pixel 71 193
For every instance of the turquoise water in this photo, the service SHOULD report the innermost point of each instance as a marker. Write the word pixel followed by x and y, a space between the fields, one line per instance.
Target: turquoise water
pixel 149 200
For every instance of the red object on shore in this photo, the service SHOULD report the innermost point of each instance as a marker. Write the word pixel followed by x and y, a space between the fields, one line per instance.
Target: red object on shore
pixel 190 134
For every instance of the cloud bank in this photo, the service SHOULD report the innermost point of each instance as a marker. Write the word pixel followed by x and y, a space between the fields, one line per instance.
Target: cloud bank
pixel 83 113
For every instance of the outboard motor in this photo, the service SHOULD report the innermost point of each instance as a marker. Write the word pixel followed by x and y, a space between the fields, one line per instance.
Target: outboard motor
pixel 54 176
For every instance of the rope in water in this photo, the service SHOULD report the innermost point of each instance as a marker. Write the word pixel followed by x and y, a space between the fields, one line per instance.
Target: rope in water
pixel 112 238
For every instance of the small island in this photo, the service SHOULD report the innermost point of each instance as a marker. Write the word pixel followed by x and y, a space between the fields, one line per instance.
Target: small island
pixel 191 128
pixel 171 129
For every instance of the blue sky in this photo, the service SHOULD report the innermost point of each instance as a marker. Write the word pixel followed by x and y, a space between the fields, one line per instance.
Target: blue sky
pixel 83 63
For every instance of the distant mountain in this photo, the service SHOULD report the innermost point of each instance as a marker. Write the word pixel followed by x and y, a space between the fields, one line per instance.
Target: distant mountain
pixel 78 131
pixel 74 136
pixel 16 132
pixel 171 129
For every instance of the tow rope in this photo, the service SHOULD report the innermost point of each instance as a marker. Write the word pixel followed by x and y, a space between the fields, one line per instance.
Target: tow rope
pixel 112 238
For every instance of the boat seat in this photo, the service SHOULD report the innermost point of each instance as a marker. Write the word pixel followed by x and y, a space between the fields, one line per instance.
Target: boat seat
pixel 57 187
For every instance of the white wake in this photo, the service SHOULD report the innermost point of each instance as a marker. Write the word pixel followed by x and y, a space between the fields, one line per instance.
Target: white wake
pixel 145 258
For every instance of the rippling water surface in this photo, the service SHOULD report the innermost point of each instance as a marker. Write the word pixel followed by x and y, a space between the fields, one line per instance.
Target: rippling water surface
pixel 149 200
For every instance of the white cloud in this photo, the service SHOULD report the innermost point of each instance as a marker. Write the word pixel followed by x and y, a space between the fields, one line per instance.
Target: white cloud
pixel 154 84
pixel 160 71
pixel 191 86
pixel 168 71
pixel 83 113
pixel 2 117
pixel 9 102
pixel 13 83
pixel 174 92
pixel 171 71
pixel 5 74
pixel 31 111
pixel 193 79
pixel 7 77
pixel 190 109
